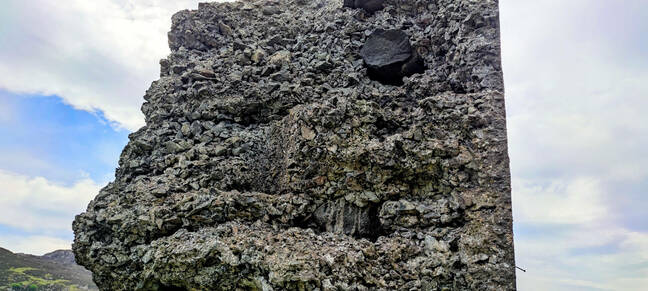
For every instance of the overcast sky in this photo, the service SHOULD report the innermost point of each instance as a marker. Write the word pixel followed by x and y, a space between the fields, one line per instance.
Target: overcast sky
pixel 72 79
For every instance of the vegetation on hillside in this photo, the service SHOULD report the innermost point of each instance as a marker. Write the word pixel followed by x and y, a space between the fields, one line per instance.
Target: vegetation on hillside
pixel 26 272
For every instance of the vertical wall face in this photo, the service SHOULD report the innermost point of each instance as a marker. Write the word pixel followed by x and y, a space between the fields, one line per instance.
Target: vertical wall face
pixel 315 144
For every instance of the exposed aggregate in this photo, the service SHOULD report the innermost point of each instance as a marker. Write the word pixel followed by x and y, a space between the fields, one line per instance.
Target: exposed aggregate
pixel 271 161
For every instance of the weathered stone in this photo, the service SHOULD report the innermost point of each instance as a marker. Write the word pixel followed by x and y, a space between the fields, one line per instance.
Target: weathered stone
pixel 225 29
pixel 270 161
pixel 279 58
pixel 258 56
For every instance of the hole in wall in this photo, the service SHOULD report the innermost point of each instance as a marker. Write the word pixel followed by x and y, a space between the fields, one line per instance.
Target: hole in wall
pixel 342 217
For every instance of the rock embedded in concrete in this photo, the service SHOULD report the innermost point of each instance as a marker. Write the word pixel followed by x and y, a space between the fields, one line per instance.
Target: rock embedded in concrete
pixel 271 161
pixel 389 56
pixel 386 47
pixel 370 6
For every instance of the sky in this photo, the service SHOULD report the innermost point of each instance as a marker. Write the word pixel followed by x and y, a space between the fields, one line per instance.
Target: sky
pixel 72 79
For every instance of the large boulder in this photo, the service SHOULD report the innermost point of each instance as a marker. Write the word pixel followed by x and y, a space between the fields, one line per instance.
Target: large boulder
pixel 389 56
pixel 271 160
pixel 369 6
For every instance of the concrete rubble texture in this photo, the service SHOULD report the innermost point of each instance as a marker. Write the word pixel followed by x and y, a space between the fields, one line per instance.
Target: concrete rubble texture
pixel 271 161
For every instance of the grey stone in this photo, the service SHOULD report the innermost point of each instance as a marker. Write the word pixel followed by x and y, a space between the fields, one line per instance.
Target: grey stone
pixel 284 167
pixel 258 56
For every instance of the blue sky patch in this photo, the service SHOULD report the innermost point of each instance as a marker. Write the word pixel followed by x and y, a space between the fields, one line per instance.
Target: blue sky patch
pixel 50 139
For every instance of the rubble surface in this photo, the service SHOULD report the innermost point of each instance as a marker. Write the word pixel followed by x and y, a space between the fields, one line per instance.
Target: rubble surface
pixel 270 160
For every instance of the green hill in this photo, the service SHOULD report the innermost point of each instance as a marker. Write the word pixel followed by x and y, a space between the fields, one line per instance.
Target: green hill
pixel 54 271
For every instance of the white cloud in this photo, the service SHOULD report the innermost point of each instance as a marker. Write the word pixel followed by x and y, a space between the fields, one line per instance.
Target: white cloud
pixel 37 205
pixel 573 202
pixel 96 55
pixel 576 92
pixel 583 258
pixel 34 245
pixel 570 241
pixel 574 97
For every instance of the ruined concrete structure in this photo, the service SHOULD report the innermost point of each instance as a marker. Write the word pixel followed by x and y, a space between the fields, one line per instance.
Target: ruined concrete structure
pixel 315 145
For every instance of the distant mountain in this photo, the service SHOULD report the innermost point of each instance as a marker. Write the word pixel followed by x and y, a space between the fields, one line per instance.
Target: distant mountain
pixel 55 271
pixel 61 256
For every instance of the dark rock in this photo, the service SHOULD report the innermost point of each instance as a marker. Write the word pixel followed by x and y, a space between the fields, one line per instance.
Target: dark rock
pixel 414 65
pixel 389 56
pixel 386 47
pixel 270 10
pixel 370 6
